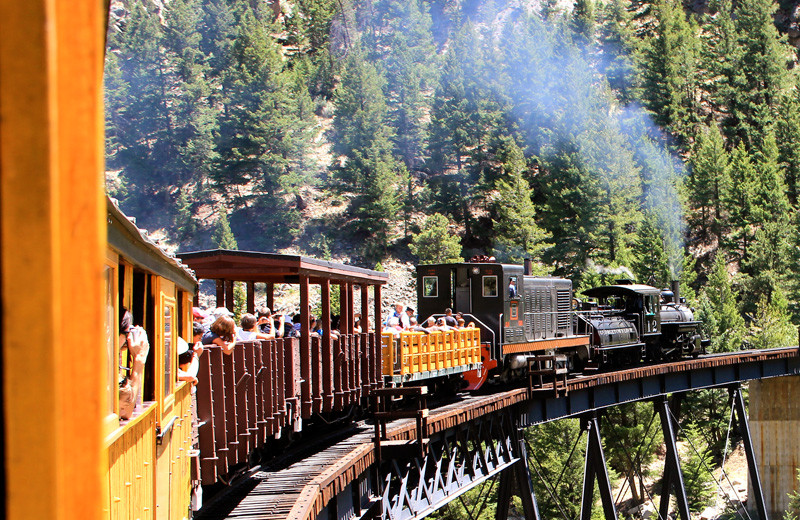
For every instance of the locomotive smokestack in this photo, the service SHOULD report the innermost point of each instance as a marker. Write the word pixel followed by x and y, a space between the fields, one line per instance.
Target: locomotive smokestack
pixel 528 267
pixel 676 290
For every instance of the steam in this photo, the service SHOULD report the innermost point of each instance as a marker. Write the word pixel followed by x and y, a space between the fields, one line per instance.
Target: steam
pixel 560 94
pixel 613 271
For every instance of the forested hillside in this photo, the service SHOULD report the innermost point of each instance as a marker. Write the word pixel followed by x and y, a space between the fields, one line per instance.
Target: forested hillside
pixel 596 138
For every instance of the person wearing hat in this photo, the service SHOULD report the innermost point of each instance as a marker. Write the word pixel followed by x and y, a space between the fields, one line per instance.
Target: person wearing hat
pixel 186 360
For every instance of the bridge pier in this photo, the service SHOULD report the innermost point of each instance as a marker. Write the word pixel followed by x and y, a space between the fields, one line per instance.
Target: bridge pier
pixel 520 472
pixel 595 469
pixel 673 477
pixel 752 465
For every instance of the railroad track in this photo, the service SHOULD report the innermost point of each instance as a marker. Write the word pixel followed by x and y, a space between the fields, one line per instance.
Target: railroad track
pixel 303 489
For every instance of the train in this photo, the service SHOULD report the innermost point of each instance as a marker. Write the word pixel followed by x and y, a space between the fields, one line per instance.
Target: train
pixel 527 320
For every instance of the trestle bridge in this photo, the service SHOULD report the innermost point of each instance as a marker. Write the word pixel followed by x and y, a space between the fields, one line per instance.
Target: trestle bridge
pixel 412 462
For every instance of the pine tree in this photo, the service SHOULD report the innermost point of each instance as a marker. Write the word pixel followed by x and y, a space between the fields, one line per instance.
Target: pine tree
pixel 740 199
pixel 552 460
pixel 632 438
pixel 720 54
pixel 618 45
pixel 185 225
pixel 403 45
pixel 517 235
pixel 670 71
pixel 696 468
pixel 706 183
pixel 435 243
pixel 370 170
pixel 583 21
pixel 718 312
pixel 263 134
pixel 761 76
pixel 788 137
pixel 772 327
pixel 223 237
pixel 651 265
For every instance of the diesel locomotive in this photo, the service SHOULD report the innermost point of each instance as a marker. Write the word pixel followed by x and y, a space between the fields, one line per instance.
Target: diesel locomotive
pixel 525 318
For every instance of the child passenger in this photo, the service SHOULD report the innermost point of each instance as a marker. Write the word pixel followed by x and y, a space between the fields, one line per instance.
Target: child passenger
pixel 221 333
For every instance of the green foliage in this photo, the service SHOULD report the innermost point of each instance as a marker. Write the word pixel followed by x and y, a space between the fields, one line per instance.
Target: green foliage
pixel 632 439
pixel 223 237
pixel 706 183
pixel 550 457
pixel 718 311
pixel 370 170
pixel 651 265
pixel 516 233
pixel 670 69
pixel 772 327
pixel 761 75
pixel 435 243
pixel 793 508
pixel 696 468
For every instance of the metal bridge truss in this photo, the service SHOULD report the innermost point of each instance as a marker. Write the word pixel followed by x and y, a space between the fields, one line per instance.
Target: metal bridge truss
pixel 455 461
pixel 462 457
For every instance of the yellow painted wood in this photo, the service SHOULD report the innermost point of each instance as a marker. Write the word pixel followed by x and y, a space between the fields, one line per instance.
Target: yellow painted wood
pixel 131 457
pixel 51 214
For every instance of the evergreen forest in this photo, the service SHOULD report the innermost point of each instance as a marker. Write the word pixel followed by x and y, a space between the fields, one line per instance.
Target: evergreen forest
pixel 646 139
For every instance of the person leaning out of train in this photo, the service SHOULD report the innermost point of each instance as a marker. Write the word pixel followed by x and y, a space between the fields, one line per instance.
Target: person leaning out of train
pixel 249 331
pixel 187 362
pixel 222 333
pixel 197 337
pixel 133 342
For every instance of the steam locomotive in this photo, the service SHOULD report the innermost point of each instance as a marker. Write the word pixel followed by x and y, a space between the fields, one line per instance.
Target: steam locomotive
pixel 525 319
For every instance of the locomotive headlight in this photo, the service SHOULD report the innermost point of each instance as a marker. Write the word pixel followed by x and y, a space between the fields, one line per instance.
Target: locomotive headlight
pixel 476 270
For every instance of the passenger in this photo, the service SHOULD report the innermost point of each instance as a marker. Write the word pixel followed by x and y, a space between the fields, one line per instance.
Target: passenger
pixel 197 337
pixel 393 327
pixel 449 319
pixel 442 325
pixel 512 288
pixel 199 314
pixel 415 327
pixel 185 358
pixel 402 316
pixel 248 331
pixel 461 324
pixel 215 314
pixel 430 325
pixel 411 316
pixel 222 332
pixel 269 323
pixel 356 324
pixel 134 340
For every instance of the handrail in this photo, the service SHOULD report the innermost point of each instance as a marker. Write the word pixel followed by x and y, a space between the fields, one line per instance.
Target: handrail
pixel 475 319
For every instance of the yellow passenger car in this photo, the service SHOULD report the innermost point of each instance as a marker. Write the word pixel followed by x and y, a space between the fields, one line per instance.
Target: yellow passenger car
pixel 150 454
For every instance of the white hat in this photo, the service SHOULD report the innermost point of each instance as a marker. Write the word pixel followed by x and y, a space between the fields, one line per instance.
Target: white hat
pixel 182 346
pixel 221 311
